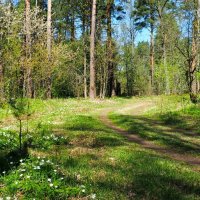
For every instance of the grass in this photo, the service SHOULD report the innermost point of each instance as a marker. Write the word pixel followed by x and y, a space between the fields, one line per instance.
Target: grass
pixel 72 155
pixel 172 126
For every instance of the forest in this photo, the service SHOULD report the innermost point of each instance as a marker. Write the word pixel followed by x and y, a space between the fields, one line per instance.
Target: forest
pixel 99 99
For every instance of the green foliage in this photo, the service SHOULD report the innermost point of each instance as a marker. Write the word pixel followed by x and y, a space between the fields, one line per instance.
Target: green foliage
pixel 20 108
pixel 36 178
pixel 64 72
pixel 8 140
pixel 45 139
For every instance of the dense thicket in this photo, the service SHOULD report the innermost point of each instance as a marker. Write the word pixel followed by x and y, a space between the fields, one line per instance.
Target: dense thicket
pixel 66 48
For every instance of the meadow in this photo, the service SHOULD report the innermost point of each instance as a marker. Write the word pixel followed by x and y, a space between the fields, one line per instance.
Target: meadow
pixel 70 153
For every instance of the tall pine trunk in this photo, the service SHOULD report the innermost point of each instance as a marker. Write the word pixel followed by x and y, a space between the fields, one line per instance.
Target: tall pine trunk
pixel 92 52
pixel 84 57
pixel 151 54
pixel 194 58
pixel 49 44
pixel 198 43
pixel 111 78
pixel 27 79
pixel 161 12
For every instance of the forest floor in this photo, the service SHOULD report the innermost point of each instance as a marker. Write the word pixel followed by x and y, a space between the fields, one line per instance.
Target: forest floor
pixel 123 148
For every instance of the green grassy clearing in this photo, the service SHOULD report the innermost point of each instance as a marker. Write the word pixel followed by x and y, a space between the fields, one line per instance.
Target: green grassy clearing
pixel 74 156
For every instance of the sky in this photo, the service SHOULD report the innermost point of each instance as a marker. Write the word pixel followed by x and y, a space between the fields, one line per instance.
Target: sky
pixel 141 36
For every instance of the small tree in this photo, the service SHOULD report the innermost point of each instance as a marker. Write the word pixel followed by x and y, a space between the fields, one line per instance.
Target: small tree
pixel 21 111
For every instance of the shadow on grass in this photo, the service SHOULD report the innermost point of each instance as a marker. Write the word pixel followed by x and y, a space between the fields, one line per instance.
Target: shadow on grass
pixel 11 159
pixel 189 122
pixel 133 174
pixel 158 131
pixel 84 123
pixel 108 141
pixel 150 176
pixel 87 131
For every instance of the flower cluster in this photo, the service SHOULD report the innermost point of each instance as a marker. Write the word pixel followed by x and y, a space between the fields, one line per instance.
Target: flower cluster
pixel 8 140
pixel 48 140
pixel 36 177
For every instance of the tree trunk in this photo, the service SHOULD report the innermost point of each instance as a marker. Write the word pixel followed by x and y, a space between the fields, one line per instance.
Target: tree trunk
pixel 101 84
pixel 73 27
pixel 105 78
pixel 1 83
pixel 193 62
pixel 85 73
pixel 49 44
pixel 28 79
pixel 111 78
pixel 84 58
pixel 161 12
pixel 92 53
pixel 198 43
pixel 20 135
pixel 127 79
pixel 167 86
pixel 151 57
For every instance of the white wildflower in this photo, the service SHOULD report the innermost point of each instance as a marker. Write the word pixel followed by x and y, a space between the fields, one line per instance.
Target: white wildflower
pixel 112 159
pixel 78 177
pixel 93 196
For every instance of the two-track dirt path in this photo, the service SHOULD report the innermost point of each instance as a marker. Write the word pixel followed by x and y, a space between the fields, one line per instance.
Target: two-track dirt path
pixel 137 109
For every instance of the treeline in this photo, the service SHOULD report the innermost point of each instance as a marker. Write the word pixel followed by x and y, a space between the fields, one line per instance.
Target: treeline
pixel 51 48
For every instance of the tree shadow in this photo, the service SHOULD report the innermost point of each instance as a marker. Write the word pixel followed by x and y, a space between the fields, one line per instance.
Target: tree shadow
pixel 149 176
pixel 177 120
pixel 11 159
pixel 108 141
pixel 87 131
pixel 156 131
pixel 84 123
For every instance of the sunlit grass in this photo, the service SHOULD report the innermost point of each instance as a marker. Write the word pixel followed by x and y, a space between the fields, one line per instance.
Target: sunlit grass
pixel 73 155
